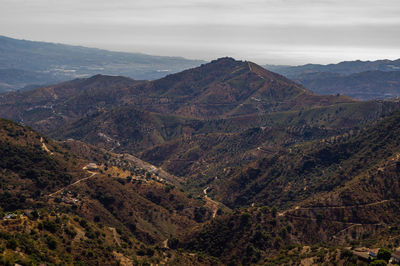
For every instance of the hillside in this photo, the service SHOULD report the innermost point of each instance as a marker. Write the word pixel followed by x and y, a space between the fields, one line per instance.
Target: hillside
pixel 130 206
pixel 341 192
pixel 41 63
pixel 312 167
pixel 222 88
pixel 351 197
pixel 187 147
pixel 53 237
pixel 32 166
pixel 226 88
pixel 47 108
pixel 224 163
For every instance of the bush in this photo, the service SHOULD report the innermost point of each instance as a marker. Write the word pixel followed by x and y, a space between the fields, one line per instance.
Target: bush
pixel 245 219
pixel 173 243
pixel 51 242
pixel 384 254
pixel 50 226
pixel 12 244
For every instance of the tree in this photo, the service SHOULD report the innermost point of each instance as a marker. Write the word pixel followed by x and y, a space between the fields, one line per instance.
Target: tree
pixel 173 243
pixel 384 254
pixel 51 242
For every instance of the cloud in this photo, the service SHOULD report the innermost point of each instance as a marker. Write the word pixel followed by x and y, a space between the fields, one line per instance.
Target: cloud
pixel 316 29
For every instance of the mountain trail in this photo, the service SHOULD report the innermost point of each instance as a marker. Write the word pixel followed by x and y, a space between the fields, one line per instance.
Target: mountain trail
pixel 212 203
pixel 165 243
pixel 44 147
pixel 334 207
pixel 76 182
pixel 115 235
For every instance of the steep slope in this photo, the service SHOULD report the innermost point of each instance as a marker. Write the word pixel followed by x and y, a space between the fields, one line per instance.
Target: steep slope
pixel 32 166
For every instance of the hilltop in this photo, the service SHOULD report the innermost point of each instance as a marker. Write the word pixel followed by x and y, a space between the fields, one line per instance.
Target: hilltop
pixel 222 88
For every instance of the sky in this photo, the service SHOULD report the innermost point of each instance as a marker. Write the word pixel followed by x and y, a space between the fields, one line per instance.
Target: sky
pixel 264 31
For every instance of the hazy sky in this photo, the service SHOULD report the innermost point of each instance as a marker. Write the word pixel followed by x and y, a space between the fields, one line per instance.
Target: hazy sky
pixel 264 31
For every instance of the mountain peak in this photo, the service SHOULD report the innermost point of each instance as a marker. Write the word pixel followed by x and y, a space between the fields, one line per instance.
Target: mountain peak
pixel 225 59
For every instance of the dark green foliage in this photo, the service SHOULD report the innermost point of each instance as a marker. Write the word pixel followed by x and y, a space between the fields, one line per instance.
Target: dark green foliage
pixel 238 237
pixel 51 242
pixel 24 165
pixel 70 232
pixel 105 199
pixel 245 219
pixel 50 226
pixel 12 244
pixel 199 214
pixel 384 254
pixel 154 198
pixel 173 243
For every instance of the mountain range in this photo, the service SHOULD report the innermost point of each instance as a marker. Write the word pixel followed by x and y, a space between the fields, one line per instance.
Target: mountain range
pixel 363 80
pixel 223 164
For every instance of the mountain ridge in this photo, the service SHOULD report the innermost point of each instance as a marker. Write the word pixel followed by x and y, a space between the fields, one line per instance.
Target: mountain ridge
pixel 363 80
pixel 222 88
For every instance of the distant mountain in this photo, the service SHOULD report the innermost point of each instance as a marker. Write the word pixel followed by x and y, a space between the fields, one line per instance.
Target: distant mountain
pixel 24 63
pixel 363 86
pixel 11 79
pixel 363 80
pixel 345 68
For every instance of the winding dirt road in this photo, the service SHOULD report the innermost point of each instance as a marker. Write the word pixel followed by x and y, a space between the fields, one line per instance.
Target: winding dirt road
pixel 212 203
pixel 92 174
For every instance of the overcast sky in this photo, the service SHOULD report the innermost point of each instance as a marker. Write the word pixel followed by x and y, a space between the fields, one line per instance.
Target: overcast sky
pixel 264 31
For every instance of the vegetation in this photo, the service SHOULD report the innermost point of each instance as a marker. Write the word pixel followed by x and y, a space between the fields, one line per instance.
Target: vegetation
pixel 278 176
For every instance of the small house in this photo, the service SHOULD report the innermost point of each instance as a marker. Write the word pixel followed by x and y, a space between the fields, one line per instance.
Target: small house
pixel 373 252
pixel 91 166
pixel 11 216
